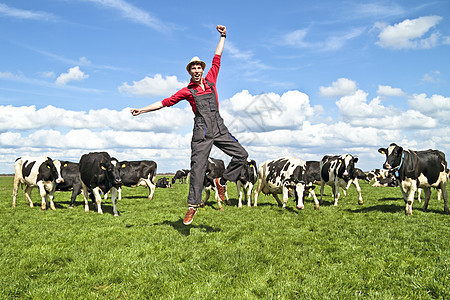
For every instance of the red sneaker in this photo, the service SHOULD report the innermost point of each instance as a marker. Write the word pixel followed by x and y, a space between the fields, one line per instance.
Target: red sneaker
pixel 220 189
pixel 189 217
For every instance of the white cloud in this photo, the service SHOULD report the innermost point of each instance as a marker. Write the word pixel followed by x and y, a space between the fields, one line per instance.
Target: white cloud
pixel 156 86
pixel 339 88
pixel 271 126
pixel 30 118
pixel 334 42
pixel 48 74
pixel 25 14
pixel 266 112
pixel 409 34
pixel 436 106
pixel 73 74
pixel 133 13
pixel 432 77
pixel 358 111
pixel 386 90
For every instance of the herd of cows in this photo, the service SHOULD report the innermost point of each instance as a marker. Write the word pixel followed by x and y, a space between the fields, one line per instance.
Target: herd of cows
pixel 97 173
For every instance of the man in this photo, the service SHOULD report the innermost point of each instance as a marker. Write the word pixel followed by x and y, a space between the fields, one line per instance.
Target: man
pixel 209 128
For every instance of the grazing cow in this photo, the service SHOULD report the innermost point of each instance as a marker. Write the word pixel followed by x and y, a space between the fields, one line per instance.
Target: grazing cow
pixel 285 176
pixel 72 182
pixel 337 171
pixel 181 175
pixel 214 169
pixel 417 169
pixel 382 178
pixel 36 171
pixel 97 175
pixel 163 183
pixel 138 173
pixel 246 181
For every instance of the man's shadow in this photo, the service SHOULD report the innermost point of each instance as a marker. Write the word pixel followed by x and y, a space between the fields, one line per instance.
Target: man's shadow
pixel 184 229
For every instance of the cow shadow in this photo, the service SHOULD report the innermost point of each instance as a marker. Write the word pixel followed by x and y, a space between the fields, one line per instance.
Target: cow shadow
pixel 385 208
pixel 184 229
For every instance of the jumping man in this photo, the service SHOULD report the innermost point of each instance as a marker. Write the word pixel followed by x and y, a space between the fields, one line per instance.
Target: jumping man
pixel 209 128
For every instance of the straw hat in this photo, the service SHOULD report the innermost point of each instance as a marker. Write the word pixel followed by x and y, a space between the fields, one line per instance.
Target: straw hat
pixel 195 59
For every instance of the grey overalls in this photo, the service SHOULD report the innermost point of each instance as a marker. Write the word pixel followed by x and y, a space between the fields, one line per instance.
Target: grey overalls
pixel 209 130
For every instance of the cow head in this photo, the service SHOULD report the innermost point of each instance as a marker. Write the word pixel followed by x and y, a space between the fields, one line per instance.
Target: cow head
pixel 111 171
pixel 394 156
pixel 50 172
pixel 346 166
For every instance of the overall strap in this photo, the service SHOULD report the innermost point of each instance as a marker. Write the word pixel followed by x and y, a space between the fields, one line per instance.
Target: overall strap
pixel 194 91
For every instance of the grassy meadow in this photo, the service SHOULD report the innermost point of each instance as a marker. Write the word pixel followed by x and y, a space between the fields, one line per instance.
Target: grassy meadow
pixel 350 251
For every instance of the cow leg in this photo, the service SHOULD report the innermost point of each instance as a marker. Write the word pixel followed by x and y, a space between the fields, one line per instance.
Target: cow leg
pixel 419 192
pixel 409 193
pixel 219 202
pixel 151 188
pixel 43 194
pixel 28 190
pixel 15 190
pixel 98 199
pixel 322 187
pixel 358 189
pixel 249 194
pixel 285 196
pixel 299 189
pixel 344 190
pixel 84 192
pixel 257 191
pixel 207 194
pixel 226 196
pixel 278 199
pixel 113 200
pixel 316 202
pixel 445 196
pixel 427 192
pixel 240 193
pixel 336 192
pixel 119 191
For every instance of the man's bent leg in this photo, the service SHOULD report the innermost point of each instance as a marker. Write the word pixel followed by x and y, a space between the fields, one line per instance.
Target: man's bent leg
pixel 230 146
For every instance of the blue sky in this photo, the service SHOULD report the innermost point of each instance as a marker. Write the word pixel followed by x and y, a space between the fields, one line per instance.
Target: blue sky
pixel 299 78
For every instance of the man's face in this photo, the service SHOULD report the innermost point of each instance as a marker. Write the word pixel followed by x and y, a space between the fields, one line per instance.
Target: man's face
pixel 196 73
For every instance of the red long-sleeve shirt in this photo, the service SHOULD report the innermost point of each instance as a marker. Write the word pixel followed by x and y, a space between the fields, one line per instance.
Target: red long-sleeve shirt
pixel 185 93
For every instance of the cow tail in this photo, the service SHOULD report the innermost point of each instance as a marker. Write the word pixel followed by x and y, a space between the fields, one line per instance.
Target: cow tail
pixel 154 175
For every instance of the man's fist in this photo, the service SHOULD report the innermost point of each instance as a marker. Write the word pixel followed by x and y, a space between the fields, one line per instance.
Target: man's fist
pixel 222 29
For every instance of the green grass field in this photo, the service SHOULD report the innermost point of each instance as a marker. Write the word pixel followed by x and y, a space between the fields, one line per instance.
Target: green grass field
pixel 372 251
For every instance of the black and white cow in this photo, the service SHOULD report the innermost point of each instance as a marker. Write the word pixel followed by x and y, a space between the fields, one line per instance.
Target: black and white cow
pixel 163 183
pixel 36 171
pixel 181 175
pixel 417 169
pixel 285 176
pixel 382 178
pixel 214 169
pixel 137 173
pixel 337 171
pixel 97 175
pixel 72 182
pixel 246 181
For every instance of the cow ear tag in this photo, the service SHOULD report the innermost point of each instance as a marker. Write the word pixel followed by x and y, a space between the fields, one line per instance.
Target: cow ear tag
pixel 382 152
pixel 65 165
pixel 103 168
pixel 48 167
pixel 123 166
